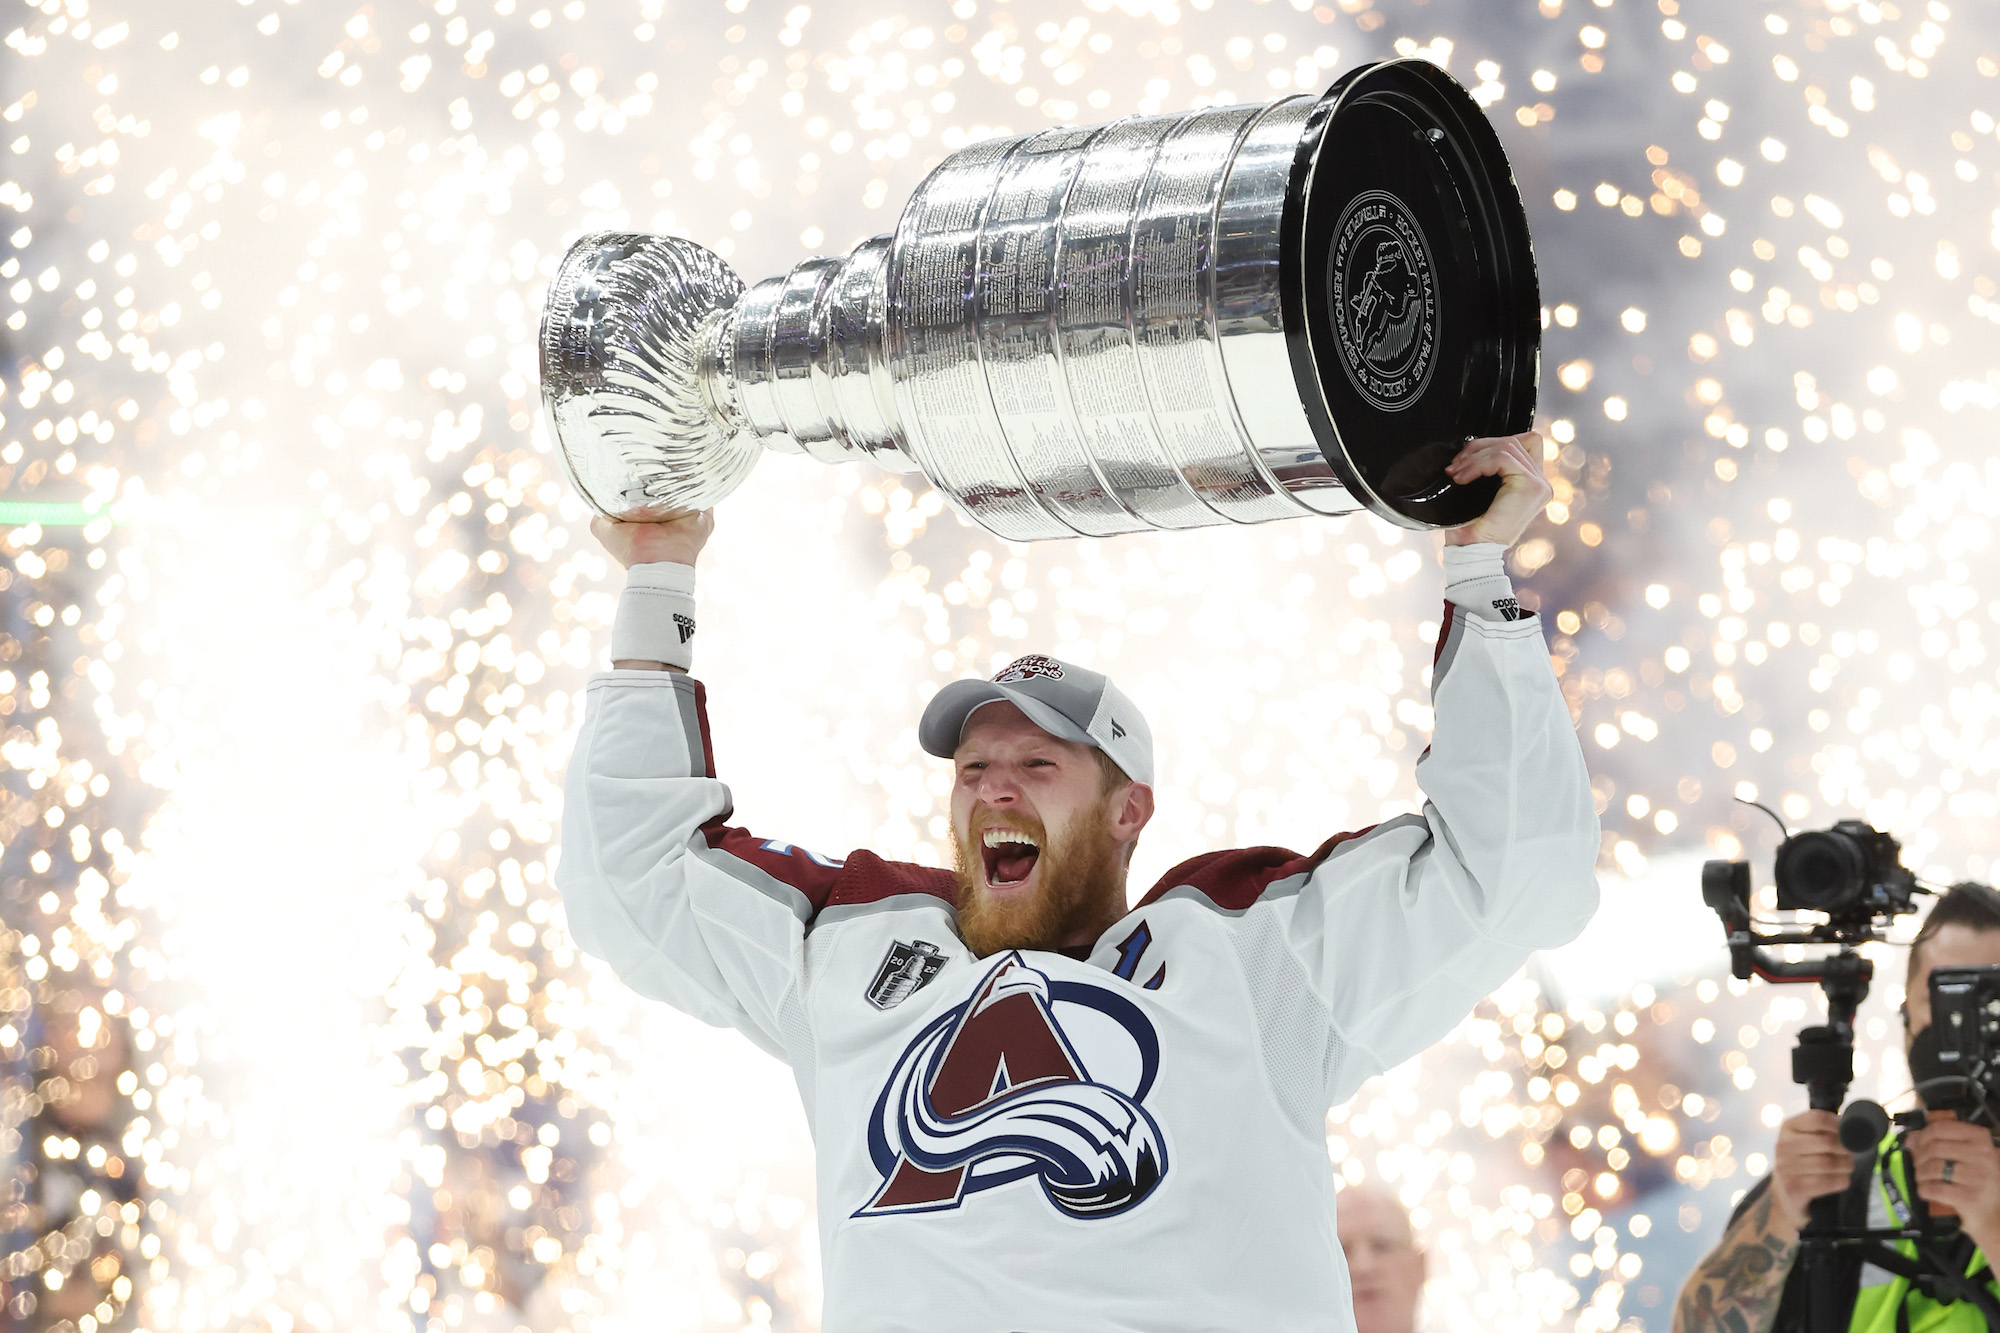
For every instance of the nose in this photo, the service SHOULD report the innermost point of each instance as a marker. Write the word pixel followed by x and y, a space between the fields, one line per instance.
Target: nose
pixel 995 789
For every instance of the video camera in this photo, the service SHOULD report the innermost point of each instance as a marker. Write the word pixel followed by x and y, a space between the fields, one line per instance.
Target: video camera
pixel 1965 1015
pixel 1853 873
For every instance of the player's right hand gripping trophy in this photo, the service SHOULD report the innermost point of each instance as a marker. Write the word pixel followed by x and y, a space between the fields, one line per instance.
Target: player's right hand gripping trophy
pixel 1235 315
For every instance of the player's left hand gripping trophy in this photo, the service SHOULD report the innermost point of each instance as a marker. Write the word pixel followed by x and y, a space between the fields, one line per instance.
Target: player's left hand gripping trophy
pixel 1236 315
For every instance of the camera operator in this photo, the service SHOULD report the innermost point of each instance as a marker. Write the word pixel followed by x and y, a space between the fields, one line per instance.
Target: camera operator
pixel 1748 1283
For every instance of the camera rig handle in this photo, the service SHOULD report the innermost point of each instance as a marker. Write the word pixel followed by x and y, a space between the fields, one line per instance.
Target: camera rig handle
pixel 1823 1060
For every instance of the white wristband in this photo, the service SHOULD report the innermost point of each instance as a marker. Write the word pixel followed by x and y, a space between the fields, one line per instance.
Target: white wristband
pixel 1475 578
pixel 655 616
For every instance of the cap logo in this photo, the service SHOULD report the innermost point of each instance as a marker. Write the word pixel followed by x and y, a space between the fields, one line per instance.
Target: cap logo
pixel 1117 732
pixel 1025 668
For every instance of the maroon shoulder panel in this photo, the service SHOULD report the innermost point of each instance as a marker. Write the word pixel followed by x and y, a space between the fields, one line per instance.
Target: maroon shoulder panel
pixel 868 878
pixel 1233 880
pixel 813 875
pixel 863 877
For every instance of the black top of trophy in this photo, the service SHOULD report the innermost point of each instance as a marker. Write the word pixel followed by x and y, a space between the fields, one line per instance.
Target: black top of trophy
pixel 1408 281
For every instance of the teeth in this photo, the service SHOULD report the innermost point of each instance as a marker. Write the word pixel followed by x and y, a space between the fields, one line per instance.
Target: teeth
pixel 1000 837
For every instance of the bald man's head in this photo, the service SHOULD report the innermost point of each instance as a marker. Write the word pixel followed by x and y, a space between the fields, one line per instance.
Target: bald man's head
pixel 1384 1264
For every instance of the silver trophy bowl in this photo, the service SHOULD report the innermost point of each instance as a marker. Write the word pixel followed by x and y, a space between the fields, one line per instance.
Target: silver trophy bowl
pixel 1235 315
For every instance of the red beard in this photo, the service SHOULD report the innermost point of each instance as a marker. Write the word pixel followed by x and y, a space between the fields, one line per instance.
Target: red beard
pixel 1081 885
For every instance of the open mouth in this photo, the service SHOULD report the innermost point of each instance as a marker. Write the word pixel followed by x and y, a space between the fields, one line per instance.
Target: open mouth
pixel 1010 856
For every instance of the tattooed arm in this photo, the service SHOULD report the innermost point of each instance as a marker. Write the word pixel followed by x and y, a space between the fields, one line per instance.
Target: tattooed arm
pixel 1738 1287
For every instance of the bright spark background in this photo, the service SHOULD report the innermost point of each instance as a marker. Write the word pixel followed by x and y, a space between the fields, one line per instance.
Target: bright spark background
pixel 290 1033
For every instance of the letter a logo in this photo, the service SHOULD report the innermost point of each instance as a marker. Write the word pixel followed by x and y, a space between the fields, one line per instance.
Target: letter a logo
pixel 994 1092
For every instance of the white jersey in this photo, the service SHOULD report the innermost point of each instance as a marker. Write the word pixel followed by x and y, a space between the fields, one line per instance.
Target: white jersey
pixel 1131 1139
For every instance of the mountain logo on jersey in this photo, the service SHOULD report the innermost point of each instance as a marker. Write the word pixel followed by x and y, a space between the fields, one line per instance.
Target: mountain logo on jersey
pixel 905 970
pixel 1029 1077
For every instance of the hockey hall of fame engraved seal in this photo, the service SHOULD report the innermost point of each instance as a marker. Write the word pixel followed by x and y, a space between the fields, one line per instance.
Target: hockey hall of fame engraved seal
pixel 1384 301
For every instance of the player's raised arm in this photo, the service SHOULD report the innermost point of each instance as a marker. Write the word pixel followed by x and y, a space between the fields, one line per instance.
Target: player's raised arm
pixel 1408 925
pixel 649 623
pixel 685 909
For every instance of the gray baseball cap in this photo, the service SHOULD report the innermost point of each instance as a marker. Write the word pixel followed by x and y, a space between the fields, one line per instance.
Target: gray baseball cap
pixel 1069 702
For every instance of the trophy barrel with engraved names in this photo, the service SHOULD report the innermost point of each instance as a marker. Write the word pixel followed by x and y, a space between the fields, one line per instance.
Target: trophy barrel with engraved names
pixel 1233 315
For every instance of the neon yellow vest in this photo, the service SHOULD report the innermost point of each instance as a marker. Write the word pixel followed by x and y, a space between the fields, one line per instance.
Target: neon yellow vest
pixel 1875 1306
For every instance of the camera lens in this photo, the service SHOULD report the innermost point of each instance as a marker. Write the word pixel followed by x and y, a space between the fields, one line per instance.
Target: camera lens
pixel 1820 872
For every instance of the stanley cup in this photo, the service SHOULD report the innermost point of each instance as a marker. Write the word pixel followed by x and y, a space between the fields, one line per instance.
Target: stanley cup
pixel 1234 315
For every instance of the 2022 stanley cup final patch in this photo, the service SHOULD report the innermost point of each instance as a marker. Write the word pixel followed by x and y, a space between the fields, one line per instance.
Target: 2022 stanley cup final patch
pixel 905 970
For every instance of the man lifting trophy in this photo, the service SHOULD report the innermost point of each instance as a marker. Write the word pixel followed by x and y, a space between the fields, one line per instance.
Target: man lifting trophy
pixel 1036 1105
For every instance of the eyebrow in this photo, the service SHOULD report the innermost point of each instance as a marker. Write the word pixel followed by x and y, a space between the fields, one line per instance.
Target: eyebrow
pixel 988 759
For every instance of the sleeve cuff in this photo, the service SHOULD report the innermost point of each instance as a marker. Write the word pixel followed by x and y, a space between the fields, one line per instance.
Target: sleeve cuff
pixel 1476 560
pixel 655 621
pixel 1475 580
pixel 662 574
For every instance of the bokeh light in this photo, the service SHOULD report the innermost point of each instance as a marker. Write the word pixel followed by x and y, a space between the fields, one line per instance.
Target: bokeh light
pixel 295 609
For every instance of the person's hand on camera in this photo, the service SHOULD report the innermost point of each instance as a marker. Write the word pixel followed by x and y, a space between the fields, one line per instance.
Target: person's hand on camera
pixel 677 540
pixel 1524 492
pixel 1808 1162
pixel 1966 1155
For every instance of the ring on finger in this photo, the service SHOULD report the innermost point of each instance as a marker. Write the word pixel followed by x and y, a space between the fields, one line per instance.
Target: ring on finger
pixel 1949 1167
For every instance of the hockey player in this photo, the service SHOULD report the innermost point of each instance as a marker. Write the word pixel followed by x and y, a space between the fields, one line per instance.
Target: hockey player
pixel 1035 1108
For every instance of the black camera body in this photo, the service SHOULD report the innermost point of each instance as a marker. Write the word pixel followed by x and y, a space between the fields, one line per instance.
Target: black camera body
pixel 1853 875
pixel 1852 872
pixel 1965 1018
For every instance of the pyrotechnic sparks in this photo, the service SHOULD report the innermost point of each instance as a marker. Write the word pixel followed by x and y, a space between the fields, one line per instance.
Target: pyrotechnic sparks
pixel 297 606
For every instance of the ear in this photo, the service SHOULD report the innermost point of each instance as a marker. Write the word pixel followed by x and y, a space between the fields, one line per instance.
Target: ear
pixel 1131 812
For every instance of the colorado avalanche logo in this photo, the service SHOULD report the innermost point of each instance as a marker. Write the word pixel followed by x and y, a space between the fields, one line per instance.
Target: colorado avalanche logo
pixel 995 1091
